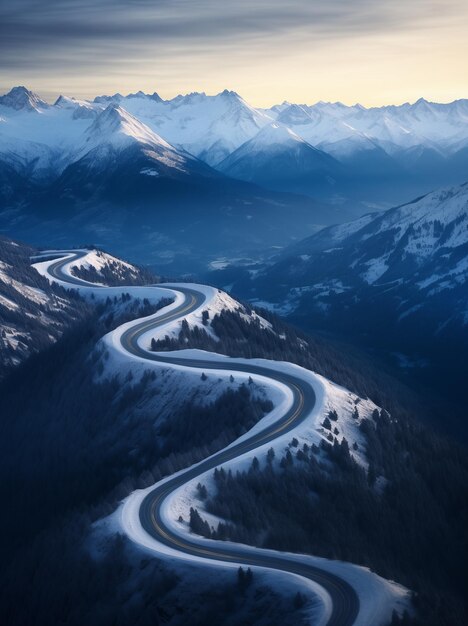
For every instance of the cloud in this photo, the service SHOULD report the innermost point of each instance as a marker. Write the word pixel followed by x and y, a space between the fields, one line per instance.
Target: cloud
pixel 46 27
pixel 78 40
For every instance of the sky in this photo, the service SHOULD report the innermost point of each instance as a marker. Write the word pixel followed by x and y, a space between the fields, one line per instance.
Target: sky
pixel 369 51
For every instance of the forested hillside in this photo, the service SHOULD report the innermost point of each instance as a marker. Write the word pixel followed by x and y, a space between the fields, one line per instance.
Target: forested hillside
pixel 74 441
pixel 70 449
pixel 395 282
pixel 405 517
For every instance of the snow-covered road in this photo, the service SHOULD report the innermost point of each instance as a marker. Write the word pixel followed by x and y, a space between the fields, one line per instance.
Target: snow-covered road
pixel 347 594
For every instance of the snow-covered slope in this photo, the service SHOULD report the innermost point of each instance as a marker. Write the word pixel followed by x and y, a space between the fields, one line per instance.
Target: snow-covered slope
pixel 104 269
pixel 37 138
pixel 405 270
pixel 33 314
pixel 422 123
pixel 375 607
pixel 279 158
pixel 378 597
pixel 114 131
pixel 414 233
pixel 424 227
pixel 36 160
pixel 410 143
pixel 210 127
pixel 117 127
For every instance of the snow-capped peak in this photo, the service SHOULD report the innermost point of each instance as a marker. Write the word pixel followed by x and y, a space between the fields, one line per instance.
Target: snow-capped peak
pixel 138 94
pixel 67 102
pixel 230 94
pixel 155 96
pixel 421 101
pixel 82 109
pixel 21 99
pixel 294 114
pixel 147 96
pixel 117 97
pixel 275 133
pixel 115 125
pixel 277 153
pixel 116 129
pixel 195 97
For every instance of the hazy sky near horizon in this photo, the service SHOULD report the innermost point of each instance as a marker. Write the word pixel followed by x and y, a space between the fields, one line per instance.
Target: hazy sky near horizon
pixel 369 51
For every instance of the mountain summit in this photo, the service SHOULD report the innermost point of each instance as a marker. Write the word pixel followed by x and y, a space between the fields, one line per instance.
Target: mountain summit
pixel 119 128
pixel 279 158
pixel 21 99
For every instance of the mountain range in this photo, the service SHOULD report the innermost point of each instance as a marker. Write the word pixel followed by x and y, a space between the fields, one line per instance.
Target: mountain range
pixel 278 158
pixel 411 137
pixel 212 172
pixel 80 171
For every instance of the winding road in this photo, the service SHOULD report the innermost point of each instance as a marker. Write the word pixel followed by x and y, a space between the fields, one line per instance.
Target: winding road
pixel 345 601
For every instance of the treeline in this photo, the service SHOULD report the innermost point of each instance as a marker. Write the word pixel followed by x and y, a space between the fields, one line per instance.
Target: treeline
pixel 66 440
pixel 239 337
pixel 55 581
pixel 70 449
pixel 233 413
pixel 427 477
pixel 406 518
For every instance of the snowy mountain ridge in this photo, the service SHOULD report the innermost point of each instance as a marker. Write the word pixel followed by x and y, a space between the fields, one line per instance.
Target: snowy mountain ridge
pixel 114 129
pixel 405 269
pixel 278 157
pixel 398 244
pixel 403 125
pixel 117 125
pixel 428 224
pixel 213 127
